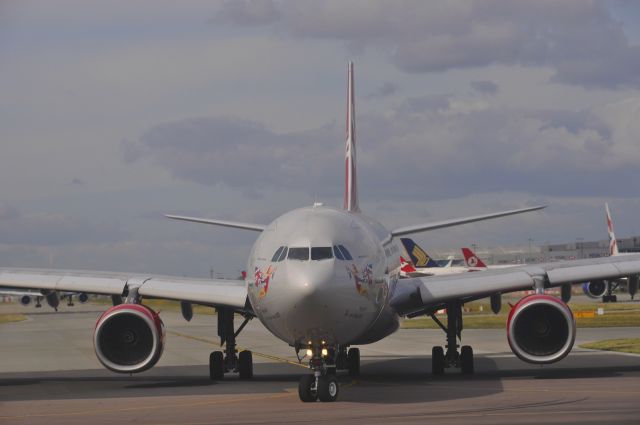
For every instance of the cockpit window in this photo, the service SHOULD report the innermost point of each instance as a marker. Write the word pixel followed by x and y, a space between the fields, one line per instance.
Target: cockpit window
pixel 345 253
pixel 321 253
pixel 276 256
pixel 337 253
pixel 284 254
pixel 301 254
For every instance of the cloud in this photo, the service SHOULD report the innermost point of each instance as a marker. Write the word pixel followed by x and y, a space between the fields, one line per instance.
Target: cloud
pixel 385 90
pixel 485 87
pixel 45 229
pixel 427 147
pixel 579 40
pixel 242 154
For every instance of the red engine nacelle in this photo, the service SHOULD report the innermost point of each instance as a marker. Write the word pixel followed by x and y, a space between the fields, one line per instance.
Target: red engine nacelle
pixel 541 329
pixel 129 338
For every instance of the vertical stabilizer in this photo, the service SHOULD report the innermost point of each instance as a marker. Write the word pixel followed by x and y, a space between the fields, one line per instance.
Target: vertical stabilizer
pixel 350 183
pixel 613 244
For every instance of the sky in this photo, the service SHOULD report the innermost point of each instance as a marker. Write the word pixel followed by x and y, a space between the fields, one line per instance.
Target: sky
pixel 114 113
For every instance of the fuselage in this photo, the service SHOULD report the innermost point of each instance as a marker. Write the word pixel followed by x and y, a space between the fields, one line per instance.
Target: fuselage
pixel 323 275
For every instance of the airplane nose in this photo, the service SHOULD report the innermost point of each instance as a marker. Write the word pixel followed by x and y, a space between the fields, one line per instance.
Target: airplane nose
pixel 309 281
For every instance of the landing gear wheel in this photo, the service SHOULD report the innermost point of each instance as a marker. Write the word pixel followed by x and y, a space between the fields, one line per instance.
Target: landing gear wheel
pixel 437 361
pixel 353 362
pixel 306 390
pixel 245 364
pixel 466 360
pixel 328 388
pixel 216 365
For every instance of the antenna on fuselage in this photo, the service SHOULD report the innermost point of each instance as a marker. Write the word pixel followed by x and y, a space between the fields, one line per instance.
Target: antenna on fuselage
pixel 350 184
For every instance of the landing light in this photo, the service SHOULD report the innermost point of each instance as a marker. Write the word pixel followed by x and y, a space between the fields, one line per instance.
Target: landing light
pixel 309 353
pixel 325 352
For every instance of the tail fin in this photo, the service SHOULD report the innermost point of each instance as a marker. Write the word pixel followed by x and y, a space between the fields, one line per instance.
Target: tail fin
pixel 472 260
pixel 350 182
pixel 613 243
pixel 418 255
pixel 406 267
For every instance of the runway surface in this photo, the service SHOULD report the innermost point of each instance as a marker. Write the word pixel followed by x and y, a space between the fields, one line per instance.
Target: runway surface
pixel 49 375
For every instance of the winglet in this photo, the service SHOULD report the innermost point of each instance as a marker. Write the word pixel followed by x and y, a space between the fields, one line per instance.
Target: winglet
pixel 350 180
pixel 471 259
pixel 613 243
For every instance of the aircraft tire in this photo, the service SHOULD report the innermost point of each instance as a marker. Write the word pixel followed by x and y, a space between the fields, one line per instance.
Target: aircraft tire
pixel 245 364
pixel 216 365
pixel 328 388
pixel 437 361
pixel 466 360
pixel 306 391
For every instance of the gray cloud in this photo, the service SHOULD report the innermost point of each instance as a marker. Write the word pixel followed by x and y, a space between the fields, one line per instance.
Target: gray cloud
pixel 43 229
pixel 485 87
pixel 387 89
pixel 7 212
pixel 578 39
pixel 432 146
pixel 242 154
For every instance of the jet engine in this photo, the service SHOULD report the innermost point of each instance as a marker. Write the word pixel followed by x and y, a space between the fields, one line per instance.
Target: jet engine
pixel 25 300
pixel 595 288
pixel 83 298
pixel 129 338
pixel 541 329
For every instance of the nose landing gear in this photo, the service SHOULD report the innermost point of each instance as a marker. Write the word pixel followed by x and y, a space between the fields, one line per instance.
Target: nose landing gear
pixel 323 384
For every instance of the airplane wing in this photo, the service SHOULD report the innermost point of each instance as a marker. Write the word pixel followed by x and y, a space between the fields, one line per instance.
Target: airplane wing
pixel 458 221
pixel 419 294
pixel 214 292
pixel 16 293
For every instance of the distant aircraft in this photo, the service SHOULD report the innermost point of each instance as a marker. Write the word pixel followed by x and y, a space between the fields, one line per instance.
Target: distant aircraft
pixel 422 264
pixel 604 288
pixel 52 298
pixel 324 279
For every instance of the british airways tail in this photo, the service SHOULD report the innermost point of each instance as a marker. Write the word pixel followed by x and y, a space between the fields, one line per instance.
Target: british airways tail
pixel 613 244
pixel 417 255
pixel 350 180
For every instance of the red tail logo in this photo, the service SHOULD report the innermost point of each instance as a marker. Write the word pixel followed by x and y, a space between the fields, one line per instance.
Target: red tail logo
pixel 472 260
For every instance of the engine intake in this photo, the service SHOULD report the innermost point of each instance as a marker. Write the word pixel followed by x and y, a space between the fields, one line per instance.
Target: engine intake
pixel 595 288
pixel 129 338
pixel 25 300
pixel 541 329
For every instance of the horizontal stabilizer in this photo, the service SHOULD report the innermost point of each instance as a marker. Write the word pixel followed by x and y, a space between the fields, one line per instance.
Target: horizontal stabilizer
pixel 224 223
pixel 458 221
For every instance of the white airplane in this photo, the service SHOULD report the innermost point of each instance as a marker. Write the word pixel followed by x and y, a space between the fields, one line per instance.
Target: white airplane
pixel 323 279
pixel 52 297
pixel 603 288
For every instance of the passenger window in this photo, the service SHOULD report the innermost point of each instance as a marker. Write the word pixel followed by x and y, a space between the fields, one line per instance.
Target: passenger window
pixel 345 253
pixel 321 253
pixel 277 254
pixel 301 254
pixel 284 254
pixel 337 253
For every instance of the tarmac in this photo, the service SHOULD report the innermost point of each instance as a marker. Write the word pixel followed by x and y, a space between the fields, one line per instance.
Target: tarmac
pixel 49 375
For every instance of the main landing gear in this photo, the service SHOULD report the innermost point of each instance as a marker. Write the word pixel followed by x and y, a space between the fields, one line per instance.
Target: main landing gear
pixel 323 384
pixel 440 360
pixel 221 363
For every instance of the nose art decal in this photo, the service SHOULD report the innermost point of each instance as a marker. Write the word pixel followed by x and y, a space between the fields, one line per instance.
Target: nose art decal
pixel 261 280
pixel 361 278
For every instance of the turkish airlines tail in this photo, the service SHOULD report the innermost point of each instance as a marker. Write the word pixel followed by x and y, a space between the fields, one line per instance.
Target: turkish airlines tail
pixel 350 180
pixel 613 244
pixel 471 259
